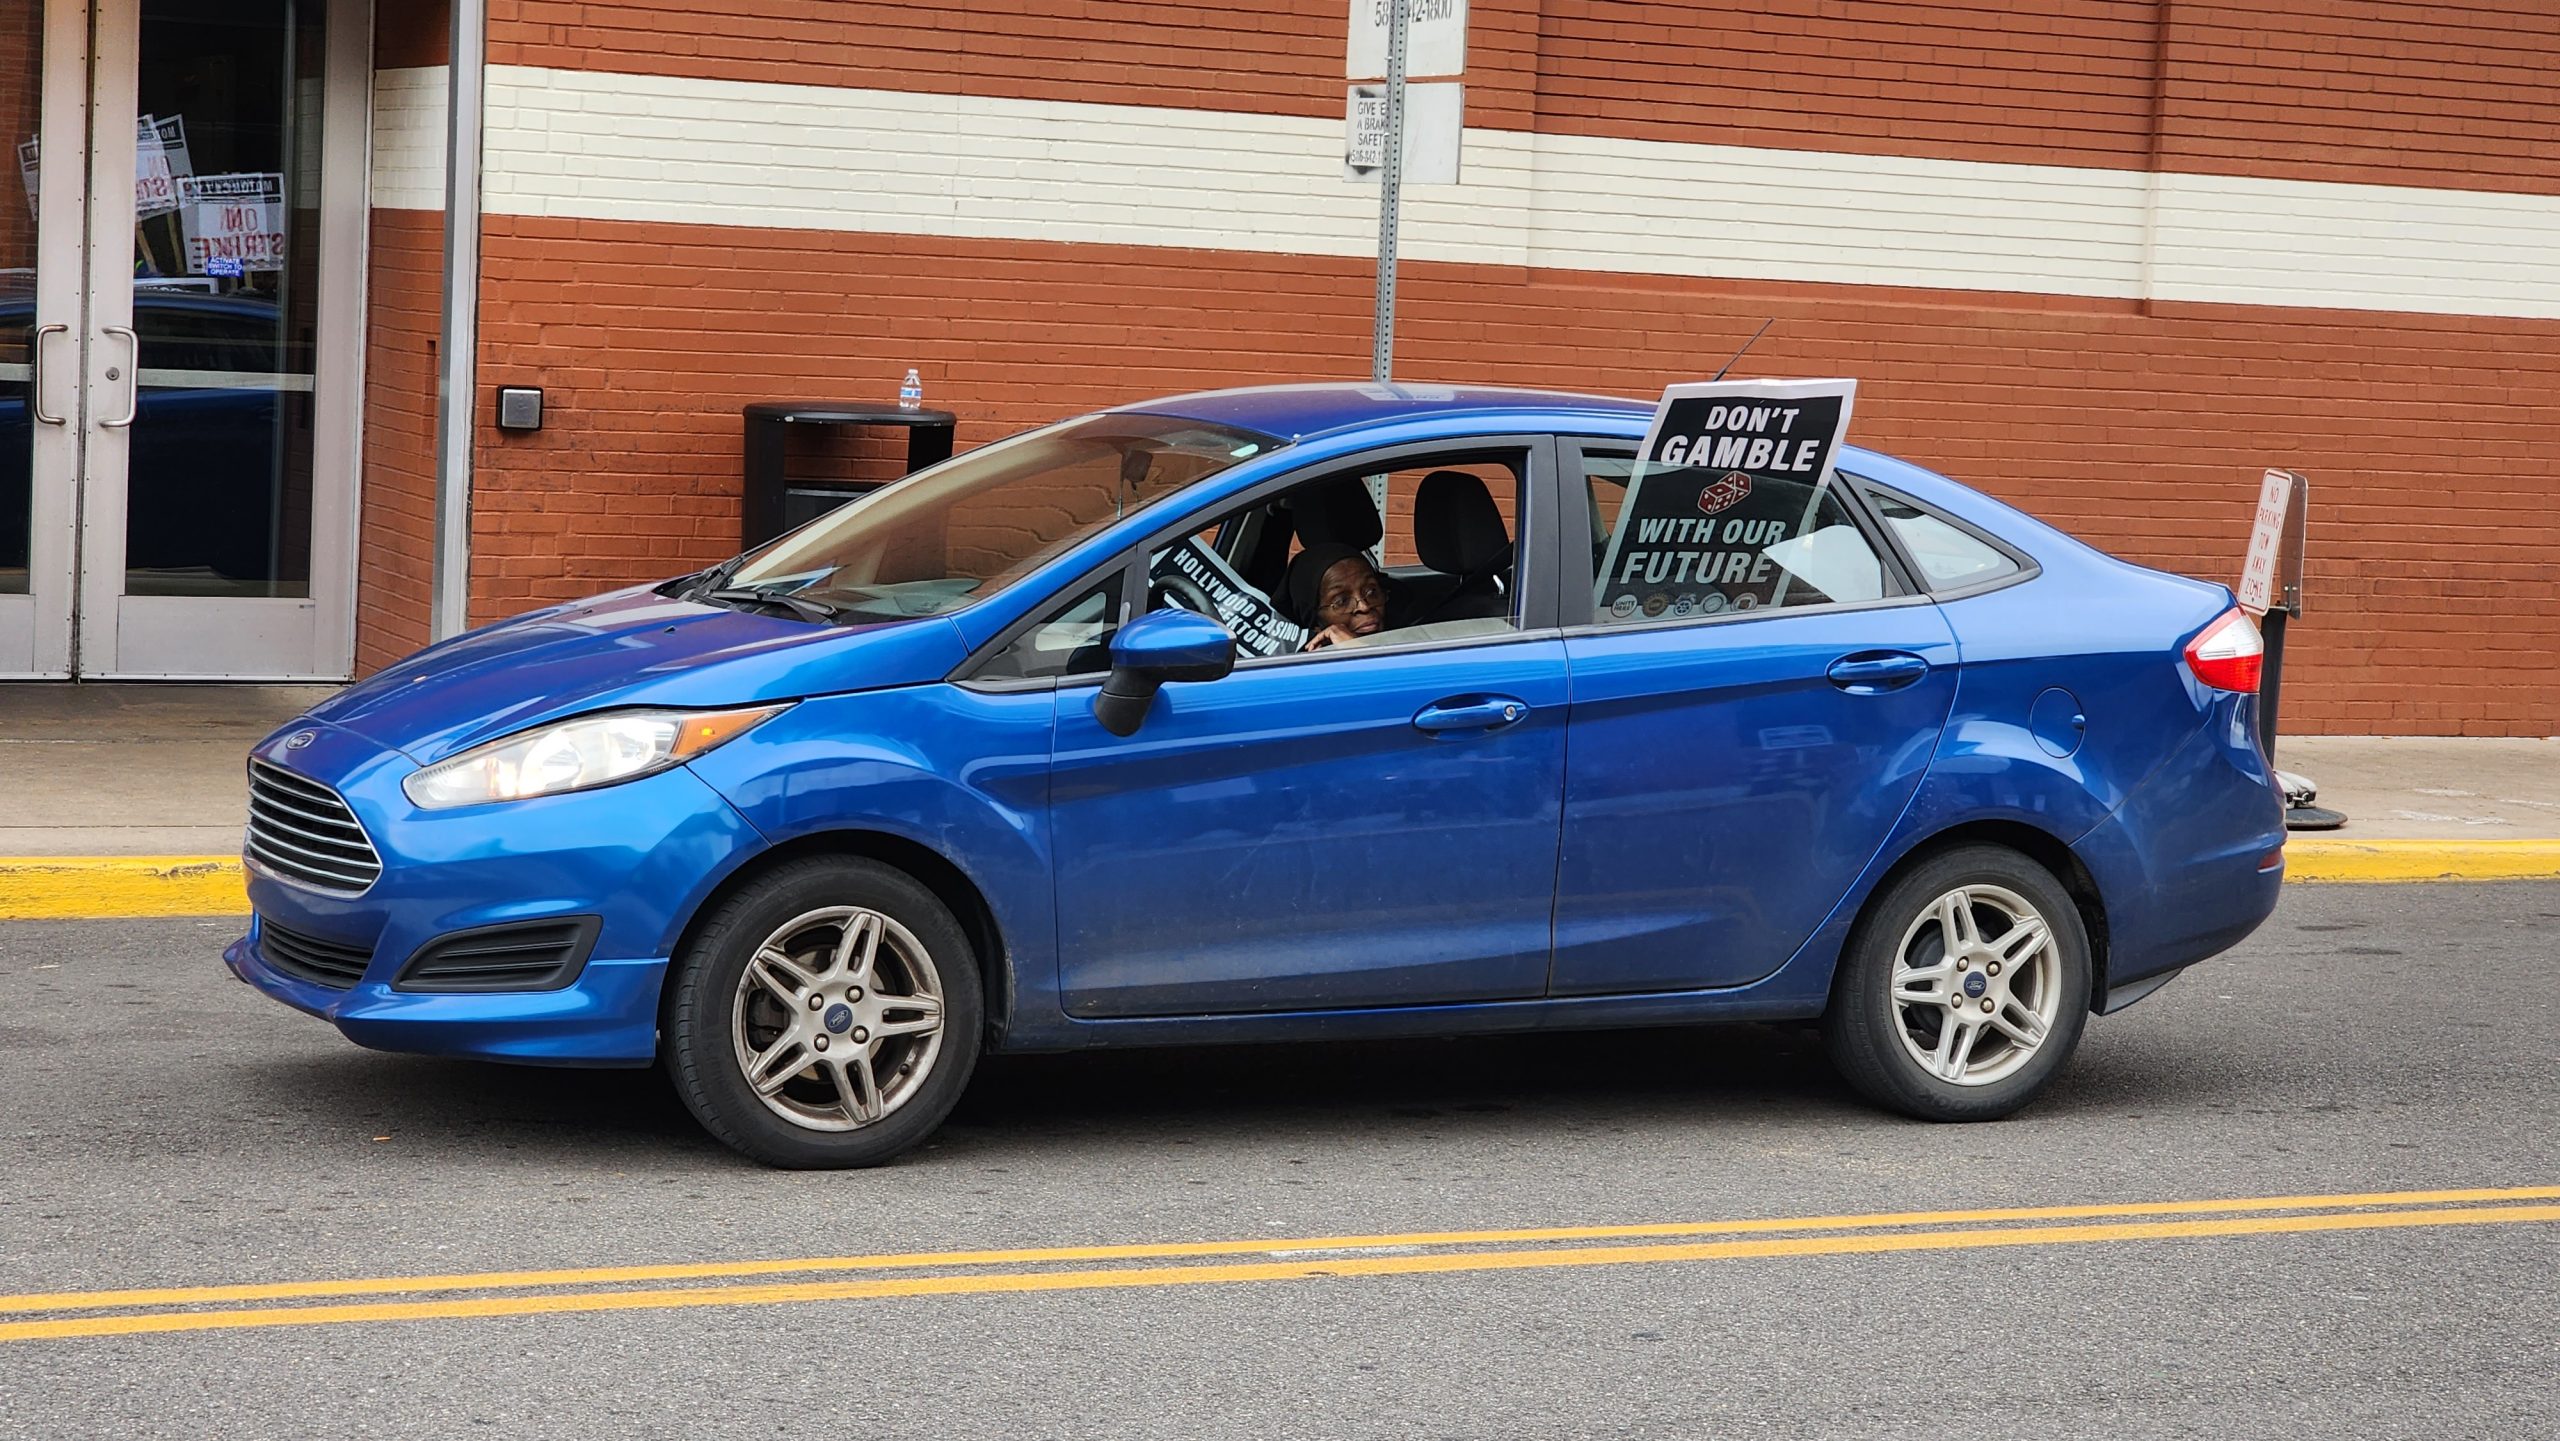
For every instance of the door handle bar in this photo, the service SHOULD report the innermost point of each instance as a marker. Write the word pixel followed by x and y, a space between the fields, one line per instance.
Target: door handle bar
pixel 1484 714
pixel 1881 670
pixel 133 390
pixel 35 375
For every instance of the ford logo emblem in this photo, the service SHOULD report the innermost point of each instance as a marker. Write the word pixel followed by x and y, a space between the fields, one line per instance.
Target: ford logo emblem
pixel 1974 985
pixel 299 739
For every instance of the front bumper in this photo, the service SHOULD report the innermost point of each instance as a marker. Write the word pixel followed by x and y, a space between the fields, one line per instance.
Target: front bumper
pixel 641 856
pixel 607 1017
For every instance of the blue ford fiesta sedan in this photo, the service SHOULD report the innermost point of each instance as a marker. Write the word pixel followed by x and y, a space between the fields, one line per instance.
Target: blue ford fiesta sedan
pixel 1306 711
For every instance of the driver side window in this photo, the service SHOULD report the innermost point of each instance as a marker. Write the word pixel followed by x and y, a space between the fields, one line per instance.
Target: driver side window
pixel 1409 553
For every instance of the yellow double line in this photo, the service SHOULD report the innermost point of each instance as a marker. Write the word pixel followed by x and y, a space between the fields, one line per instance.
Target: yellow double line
pixel 67 1314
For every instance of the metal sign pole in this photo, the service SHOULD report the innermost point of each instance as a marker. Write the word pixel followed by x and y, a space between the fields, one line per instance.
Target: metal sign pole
pixel 1382 336
pixel 2282 596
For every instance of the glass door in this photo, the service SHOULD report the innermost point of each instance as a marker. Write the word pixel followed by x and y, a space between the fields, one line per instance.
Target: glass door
pixel 44 59
pixel 208 364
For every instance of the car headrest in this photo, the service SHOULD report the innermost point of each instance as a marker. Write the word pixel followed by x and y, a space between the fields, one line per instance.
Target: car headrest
pixel 1338 512
pixel 1456 530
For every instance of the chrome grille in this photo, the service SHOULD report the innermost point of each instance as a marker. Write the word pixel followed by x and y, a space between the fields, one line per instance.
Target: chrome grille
pixel 300 831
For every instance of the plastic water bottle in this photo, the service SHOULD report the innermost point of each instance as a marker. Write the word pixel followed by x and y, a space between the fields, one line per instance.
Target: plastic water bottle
pixel 911 391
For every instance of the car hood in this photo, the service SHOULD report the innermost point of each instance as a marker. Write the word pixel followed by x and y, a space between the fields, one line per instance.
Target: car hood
pixel 630 648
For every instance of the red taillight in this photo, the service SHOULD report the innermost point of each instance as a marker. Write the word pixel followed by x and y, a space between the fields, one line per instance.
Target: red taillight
pixel 2226 654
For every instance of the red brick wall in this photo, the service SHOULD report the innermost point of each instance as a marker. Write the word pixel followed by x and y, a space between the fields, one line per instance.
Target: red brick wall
pixel 1262 57
pixel 2436 607
pixel 396 535
pixel 412 33
pixel 2142 433
pixel 395 547
pixel 2054 82
pixel 2406 92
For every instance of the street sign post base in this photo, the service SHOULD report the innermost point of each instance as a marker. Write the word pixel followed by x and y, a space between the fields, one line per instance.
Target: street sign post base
pixel 2299 812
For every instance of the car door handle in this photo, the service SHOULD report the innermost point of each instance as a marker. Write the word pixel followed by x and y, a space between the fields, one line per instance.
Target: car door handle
pixel 1873 672
pixel 1470 713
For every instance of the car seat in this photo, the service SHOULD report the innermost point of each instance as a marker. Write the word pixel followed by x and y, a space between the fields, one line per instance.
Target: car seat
pixel 1342 512
pixel 1459 533
pixel 1336 511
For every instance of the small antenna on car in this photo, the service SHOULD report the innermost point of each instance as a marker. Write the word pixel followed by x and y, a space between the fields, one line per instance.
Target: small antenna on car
pixel 1746 346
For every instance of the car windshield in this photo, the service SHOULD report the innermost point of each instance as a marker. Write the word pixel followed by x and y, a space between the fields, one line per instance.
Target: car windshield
pixel 947 537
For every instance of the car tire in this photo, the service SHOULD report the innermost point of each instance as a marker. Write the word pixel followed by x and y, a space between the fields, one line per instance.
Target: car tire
pixel 826 1015
pixel 1972 1031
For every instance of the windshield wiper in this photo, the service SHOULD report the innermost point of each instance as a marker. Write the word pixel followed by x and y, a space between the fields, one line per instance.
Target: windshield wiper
pixel 714 578
pixel 801 606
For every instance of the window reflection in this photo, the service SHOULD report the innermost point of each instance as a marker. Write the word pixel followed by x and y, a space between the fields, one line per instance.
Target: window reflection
pixel 218 489
pixel 21 101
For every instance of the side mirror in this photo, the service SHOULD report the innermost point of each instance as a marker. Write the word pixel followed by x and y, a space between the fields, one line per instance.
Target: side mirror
pixel 1157 647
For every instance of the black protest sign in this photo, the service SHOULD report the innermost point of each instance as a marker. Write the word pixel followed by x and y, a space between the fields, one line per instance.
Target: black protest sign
pixel 1728 470
pixel 1195 574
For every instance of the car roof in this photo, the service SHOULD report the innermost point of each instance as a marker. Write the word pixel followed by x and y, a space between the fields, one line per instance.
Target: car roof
pixel 1307 411
pixel 1298 412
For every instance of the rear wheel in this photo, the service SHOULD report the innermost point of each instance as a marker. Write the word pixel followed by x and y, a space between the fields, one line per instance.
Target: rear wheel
pixel 1963 989
pixel 826 1015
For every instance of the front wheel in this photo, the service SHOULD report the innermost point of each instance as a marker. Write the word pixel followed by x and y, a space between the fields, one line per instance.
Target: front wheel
pixel 1963 989
pixel 826 1015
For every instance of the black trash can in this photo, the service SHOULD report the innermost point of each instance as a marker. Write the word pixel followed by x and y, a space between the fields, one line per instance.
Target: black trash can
pixel 776 501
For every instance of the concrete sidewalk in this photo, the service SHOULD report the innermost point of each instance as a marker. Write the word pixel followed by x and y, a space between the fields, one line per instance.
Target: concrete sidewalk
pixel 2470 788
pixel 121 770
pixel 154 773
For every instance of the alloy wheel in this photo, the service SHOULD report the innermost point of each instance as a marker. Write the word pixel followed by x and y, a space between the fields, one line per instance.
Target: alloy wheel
pixel 1976 985
pixel 838 1018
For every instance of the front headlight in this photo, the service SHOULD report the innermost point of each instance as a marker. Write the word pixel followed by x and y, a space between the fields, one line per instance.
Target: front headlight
pixel 575 755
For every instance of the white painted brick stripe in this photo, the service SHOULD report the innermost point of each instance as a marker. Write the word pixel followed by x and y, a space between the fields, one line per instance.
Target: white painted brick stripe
pixel 408 139
pixel 592 145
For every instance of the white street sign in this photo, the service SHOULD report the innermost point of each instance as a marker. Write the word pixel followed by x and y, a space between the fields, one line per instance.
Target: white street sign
pixel 1434 117
pixel 1435 39
pixel 2266 543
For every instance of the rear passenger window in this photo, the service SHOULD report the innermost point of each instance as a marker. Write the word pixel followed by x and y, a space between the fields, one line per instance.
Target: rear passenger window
pixel 1700 544
pixel 1949 557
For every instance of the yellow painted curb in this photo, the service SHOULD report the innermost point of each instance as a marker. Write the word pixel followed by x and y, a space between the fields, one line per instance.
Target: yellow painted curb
pixel 71 888
pixel 2422 860
pixel 65 888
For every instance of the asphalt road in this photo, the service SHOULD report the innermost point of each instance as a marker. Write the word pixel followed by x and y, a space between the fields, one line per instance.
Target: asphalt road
pixel 161 1126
